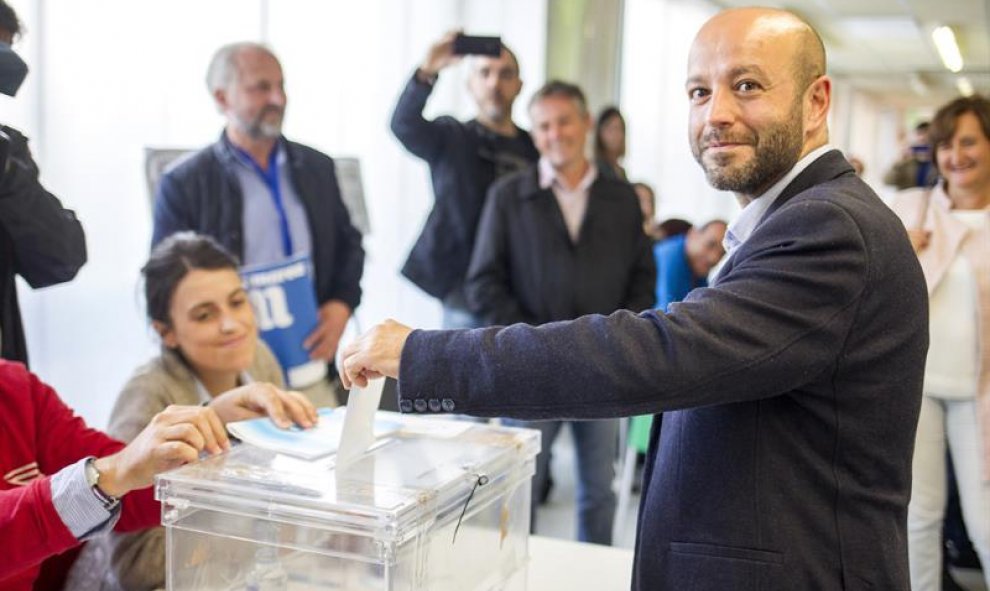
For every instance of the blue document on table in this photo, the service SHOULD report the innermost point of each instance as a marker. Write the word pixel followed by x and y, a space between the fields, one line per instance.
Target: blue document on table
pixel 321 440
pixel 284 301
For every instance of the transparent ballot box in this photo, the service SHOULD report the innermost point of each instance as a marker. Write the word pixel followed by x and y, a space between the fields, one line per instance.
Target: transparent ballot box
pixel 436 505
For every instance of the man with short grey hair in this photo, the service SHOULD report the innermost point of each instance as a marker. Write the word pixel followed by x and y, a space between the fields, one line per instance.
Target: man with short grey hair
pixel 222 74
pixel 557 241
pixel 267 199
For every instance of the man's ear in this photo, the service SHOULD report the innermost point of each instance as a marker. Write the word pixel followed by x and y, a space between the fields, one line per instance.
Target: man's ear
pixel 167 334
pixel 819 99
pixel 519 85
pixel 220 99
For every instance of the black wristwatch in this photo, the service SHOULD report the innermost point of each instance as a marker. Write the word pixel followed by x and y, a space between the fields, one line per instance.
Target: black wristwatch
pixel 109 502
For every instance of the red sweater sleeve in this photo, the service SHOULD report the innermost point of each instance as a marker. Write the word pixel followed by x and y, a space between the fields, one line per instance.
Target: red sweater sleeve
pixel 61 437
pixel 37 428
pixel 30 528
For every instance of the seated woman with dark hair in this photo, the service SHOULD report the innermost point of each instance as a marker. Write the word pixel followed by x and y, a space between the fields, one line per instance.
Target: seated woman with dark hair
pixel 198 306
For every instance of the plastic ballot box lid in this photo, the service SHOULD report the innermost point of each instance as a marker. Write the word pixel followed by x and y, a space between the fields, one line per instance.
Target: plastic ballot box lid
pixel 427 472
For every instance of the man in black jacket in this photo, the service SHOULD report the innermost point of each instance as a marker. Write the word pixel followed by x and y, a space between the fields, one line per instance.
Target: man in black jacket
pixel 39 239
pixel 263 197
pixel 558 241
pixel 464 158
pixel 790 388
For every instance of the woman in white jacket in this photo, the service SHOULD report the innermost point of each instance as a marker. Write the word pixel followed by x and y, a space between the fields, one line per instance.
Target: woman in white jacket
pixel 949 226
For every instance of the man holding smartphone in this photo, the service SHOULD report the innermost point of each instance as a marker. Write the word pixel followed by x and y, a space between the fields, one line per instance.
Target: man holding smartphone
pixel 465 158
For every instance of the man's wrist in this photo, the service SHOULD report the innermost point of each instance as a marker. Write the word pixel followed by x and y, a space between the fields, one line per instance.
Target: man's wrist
pixel 109 483
pixel 427 76
pixel 84 512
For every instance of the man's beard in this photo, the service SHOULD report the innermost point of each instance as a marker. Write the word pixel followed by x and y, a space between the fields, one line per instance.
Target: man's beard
pixel 775 151
pixel 260 128
pixel 494 109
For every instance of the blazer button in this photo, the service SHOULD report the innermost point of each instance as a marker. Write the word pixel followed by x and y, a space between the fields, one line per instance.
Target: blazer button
pixel 405 406
pixel 420 405
pixel 434 405
pixel 447 405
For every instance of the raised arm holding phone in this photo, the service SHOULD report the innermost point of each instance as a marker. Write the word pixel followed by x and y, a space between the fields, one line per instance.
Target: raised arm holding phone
pixel 465 159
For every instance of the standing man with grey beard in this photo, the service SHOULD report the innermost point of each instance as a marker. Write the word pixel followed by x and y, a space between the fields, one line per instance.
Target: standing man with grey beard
pixel 790 388
pixel 265 198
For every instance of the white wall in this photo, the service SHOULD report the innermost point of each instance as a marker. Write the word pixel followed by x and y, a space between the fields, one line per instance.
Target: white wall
pixel 110 77
pixel 864 126
pixel 657 37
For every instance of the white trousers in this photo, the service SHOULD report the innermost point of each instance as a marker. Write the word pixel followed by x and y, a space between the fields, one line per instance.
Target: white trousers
pixel 953 422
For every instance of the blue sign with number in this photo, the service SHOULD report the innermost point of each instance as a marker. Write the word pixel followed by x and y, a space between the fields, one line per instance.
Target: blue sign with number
pixel 284 301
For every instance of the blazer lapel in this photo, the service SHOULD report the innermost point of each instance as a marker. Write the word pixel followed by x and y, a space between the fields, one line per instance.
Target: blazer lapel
pixel 830 165
pixel 545 202
pixel 598 199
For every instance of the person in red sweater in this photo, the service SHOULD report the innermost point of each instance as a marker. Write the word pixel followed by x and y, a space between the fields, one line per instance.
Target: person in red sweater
pixel 63 482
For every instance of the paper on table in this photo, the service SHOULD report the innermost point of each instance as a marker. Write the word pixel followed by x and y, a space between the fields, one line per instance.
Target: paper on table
pixel 321 440
pixel 359 422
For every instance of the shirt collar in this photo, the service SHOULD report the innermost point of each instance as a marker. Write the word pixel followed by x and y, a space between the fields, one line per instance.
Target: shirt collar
pixel 548 176
pixel 743 226
pixel 245 160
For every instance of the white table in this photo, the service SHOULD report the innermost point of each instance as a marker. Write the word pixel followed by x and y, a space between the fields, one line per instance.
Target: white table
pixel 561 565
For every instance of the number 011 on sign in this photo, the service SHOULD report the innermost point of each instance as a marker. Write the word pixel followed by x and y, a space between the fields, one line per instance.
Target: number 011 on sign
pixel 284 301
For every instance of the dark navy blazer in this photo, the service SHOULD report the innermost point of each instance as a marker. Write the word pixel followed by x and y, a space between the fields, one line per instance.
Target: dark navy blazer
pixel 790 390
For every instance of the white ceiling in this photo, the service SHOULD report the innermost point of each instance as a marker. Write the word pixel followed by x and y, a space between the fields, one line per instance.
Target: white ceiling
pixel 884 47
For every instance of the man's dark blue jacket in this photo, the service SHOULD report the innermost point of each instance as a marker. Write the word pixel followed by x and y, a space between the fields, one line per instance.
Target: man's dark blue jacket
pixel 202 194
pixel 462 167
pixel 790 390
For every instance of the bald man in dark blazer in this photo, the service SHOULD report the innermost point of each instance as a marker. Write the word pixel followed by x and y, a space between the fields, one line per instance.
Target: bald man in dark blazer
pixel 790 387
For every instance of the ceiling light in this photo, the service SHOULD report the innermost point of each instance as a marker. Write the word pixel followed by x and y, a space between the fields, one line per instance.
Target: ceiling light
pixel 964 86
pixel 948 49
pixel 888 28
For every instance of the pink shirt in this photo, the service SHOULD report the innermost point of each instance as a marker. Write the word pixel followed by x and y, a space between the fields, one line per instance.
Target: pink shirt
pixel 573 203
